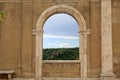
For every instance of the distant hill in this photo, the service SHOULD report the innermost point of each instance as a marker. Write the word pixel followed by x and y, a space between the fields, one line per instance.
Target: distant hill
pixel 61 54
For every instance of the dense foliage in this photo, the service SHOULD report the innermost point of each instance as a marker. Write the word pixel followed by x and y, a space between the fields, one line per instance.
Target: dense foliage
pixel 61 54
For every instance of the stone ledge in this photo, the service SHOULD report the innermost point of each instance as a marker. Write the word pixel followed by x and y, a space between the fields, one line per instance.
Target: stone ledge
pixel 44 1
pixel 14 1
pixel 61 61
pixel 58 79
pixel 70 79
pixel 23 79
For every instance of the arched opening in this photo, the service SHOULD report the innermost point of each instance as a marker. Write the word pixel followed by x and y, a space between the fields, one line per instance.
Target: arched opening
pixel 61 38
pixel 39 36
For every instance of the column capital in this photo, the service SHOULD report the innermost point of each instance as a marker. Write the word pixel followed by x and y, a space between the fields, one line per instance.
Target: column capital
pixel 105 0
pixel 85 31
pixel 37 31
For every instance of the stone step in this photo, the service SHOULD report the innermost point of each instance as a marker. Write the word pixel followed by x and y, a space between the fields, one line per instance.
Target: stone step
pixel 70 79
pixel 59 79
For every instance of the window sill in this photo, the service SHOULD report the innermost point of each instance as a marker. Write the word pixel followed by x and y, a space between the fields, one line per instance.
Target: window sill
pixel 61 61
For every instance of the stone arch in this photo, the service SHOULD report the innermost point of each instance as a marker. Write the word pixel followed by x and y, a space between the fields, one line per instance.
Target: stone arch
pixel 61 9
pixel 39 35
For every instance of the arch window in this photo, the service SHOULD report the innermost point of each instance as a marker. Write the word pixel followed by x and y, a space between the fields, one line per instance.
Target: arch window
pixel 61 38
pixel 39 36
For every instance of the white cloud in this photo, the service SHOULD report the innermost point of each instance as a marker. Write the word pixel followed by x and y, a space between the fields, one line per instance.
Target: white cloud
pixel 63 37
pixel 61 45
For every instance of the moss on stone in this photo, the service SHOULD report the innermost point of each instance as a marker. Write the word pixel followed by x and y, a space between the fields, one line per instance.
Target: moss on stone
pixel 2 14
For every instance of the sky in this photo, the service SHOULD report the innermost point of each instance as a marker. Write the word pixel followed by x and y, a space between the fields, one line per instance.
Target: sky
pixel 61 31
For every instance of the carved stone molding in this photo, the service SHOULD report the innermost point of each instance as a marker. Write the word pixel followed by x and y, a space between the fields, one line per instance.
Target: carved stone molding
pixel 37 31
pixel 83 38
pixel 85 31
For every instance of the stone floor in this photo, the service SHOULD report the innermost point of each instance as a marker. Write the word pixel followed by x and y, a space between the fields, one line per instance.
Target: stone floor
pixel 58 79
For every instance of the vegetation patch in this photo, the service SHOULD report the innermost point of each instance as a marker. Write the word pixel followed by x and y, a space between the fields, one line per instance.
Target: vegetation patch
pixel 2 14
pixel 61 54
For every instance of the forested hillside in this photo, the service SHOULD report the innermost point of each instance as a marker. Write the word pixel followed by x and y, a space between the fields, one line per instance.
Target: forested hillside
pixel 61 54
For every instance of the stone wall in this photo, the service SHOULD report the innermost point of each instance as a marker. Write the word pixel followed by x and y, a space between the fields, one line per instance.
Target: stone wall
pixel 17 44
pixel 57 70
pixel 95 39
pixel 116 36
pixel 16 48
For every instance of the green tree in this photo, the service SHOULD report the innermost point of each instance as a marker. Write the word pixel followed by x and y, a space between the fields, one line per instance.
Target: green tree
pixel 61 54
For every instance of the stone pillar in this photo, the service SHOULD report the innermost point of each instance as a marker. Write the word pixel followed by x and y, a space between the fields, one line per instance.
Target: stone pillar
pixel 83 52
pixel 83 56
pixel 39 46
pixel 106 41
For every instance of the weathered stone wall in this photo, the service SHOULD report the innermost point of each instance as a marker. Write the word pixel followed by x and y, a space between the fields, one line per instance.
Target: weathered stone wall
pixel 17 40
pixel 10 38
pixel 17 44
pixel 116 35
pixel 95 39
pixel 16 49
pixel 57 70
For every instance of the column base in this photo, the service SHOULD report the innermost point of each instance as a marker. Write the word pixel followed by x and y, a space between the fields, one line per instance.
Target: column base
pixel 38 78
pixel 107 76
pixel 83 78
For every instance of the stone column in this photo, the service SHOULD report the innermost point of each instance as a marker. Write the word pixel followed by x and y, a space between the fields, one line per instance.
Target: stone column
pixel 83 56
pixel 39 46
pixel 83 52
pixel 106 41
